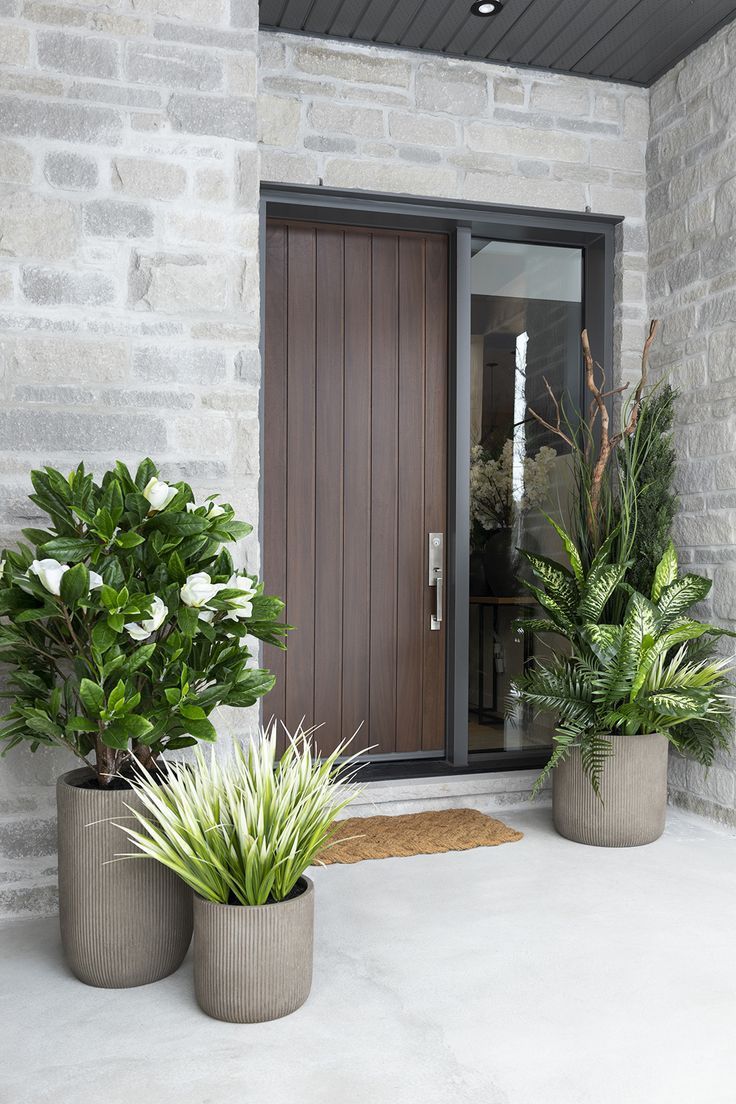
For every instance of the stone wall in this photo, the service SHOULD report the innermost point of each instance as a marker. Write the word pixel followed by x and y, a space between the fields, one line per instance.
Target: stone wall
pixel 691 211
pixel 129 283
pixel 359 117
pixel 129 288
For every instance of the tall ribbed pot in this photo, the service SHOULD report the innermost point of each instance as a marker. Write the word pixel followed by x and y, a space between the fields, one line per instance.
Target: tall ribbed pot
pixel 125 923
pixel 253 962
pixel 633 789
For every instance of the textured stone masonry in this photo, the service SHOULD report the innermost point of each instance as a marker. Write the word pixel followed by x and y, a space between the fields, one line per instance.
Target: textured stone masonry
pixel 128 222
pixel 692 287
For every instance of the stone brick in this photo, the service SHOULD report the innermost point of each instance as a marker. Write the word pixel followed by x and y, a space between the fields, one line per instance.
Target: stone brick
pixel 354 64
pixel 364 122
pixel 37 227
pixel 77 54
pixel 173 66
pixel 217 37
pixel 65 122
pixel 278 120
pixel 60 14
pixel 173 364
pixel 451 87
pixel 212 185
pixel 426 130
pixel 114 94
pixel 404 179
pixel 177 283
pixel 111 218
pixel 16 163
pixel 241 75
pixel 508 90
pixel 148 179
pixel 288 168
pixel 80 433
pixel 721 355
pixel 563 98
pixel 14 42
pixel 50 287
pixel 223 118
pixel 74 360
pixel 521 142
pixel 70 170
pixel 247 178
pixel 198 11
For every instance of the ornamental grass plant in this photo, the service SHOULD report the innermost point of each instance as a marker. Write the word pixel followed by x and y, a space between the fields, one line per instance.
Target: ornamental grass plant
pixel 242 831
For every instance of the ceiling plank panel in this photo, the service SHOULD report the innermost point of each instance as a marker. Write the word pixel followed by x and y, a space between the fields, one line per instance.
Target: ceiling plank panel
pixel 625 40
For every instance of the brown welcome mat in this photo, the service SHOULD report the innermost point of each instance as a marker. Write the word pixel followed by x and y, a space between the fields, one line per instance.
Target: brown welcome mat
pixel 383 837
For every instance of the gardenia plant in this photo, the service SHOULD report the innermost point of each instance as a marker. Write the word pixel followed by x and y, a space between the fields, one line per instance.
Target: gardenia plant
pixel 243 831
pixel 637 677
pixel 125 623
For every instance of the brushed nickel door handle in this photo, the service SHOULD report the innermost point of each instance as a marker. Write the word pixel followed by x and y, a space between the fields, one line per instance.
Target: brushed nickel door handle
pixel 436 570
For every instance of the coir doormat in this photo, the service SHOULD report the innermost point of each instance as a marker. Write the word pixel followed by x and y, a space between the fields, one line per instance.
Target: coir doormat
pixel 384 837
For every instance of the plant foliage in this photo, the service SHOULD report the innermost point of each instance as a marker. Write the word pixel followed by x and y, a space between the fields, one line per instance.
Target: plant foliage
pixel 124 622
pixel 633 677
pixel 243 831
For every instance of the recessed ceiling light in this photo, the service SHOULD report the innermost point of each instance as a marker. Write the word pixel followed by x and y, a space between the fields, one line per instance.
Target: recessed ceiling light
pixel 486 7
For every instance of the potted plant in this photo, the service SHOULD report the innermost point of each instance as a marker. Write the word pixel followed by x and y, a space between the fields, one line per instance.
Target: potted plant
pixel 123 626
pixel 241 834
pixel 622 693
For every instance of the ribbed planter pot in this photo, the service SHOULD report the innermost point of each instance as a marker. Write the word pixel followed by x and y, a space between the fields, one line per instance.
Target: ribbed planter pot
pixel 253 962
pixel 633 789
pixel 125 923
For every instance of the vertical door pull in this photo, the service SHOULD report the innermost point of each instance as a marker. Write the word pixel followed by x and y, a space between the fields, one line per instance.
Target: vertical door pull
pixel 435 579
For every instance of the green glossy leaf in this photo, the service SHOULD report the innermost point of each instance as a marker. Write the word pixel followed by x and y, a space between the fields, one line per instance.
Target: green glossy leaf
pixel 92 697
pixel 74 585
pixel 67 549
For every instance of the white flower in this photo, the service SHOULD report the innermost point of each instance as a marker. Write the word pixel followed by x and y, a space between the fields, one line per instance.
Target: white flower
pixel 199 589
pixel 143 630
pixel 207 616
pixel 213 509
pixel 159 494
pixel 2 567
pixel 49 573
pixel 242 606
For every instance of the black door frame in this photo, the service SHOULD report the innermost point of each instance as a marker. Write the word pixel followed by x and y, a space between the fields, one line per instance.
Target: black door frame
pixel 595 235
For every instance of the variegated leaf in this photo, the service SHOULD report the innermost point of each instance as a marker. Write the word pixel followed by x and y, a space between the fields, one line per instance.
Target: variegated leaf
pixel 666 571
pixel 679 595
pixel 599 586
pixel 560 582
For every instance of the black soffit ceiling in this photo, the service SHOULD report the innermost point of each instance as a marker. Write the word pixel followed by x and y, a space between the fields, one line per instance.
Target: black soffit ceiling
pixel 622 40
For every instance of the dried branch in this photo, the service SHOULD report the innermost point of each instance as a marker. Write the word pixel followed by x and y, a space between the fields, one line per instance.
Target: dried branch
pixel 556 429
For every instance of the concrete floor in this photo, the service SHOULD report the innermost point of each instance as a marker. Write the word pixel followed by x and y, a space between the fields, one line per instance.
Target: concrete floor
pixel 539 972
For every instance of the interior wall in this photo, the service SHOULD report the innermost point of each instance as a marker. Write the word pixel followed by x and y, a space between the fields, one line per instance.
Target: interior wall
pixel 691 213
pixel 129 312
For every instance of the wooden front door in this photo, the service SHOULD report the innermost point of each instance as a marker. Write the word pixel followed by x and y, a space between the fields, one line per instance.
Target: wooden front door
pixel 355 458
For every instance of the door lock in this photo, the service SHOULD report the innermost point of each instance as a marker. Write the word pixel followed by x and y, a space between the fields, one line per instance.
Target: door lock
pixel 436 569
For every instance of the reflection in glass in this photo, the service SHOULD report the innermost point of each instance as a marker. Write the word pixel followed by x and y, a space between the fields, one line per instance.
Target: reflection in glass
pixel 526 318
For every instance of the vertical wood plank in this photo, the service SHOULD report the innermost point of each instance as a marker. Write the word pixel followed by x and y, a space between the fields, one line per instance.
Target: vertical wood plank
pixel 275 452
pixel 435 477
pixel 357 488
pixel 412 541
pixel 384 491
pixel 328 590
pixel 300 505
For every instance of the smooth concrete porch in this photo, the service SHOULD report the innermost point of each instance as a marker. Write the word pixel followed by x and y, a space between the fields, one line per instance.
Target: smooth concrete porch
pixel 539 972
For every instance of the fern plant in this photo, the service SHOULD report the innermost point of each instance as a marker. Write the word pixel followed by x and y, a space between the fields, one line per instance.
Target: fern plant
pixel 631 678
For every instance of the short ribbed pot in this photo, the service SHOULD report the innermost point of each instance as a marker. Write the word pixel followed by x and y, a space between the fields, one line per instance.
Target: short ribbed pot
pixel 633 789
pixel 125 923
pixel 253 962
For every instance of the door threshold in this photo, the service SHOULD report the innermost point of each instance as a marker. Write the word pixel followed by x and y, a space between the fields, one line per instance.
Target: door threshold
pixel 478 763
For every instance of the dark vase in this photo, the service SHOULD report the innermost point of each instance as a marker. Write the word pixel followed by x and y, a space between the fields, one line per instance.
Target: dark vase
pixel 502 563
pixel 478 585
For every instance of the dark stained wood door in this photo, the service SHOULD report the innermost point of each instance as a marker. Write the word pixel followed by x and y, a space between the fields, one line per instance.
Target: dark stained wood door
pixel 355 458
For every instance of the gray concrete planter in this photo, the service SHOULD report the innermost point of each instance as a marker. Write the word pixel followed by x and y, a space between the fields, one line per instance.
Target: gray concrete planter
pixel 124 923
pixel 634 792
pixel 253 962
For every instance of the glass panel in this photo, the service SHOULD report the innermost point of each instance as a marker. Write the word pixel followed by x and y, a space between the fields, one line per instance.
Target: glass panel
pixel 526 317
